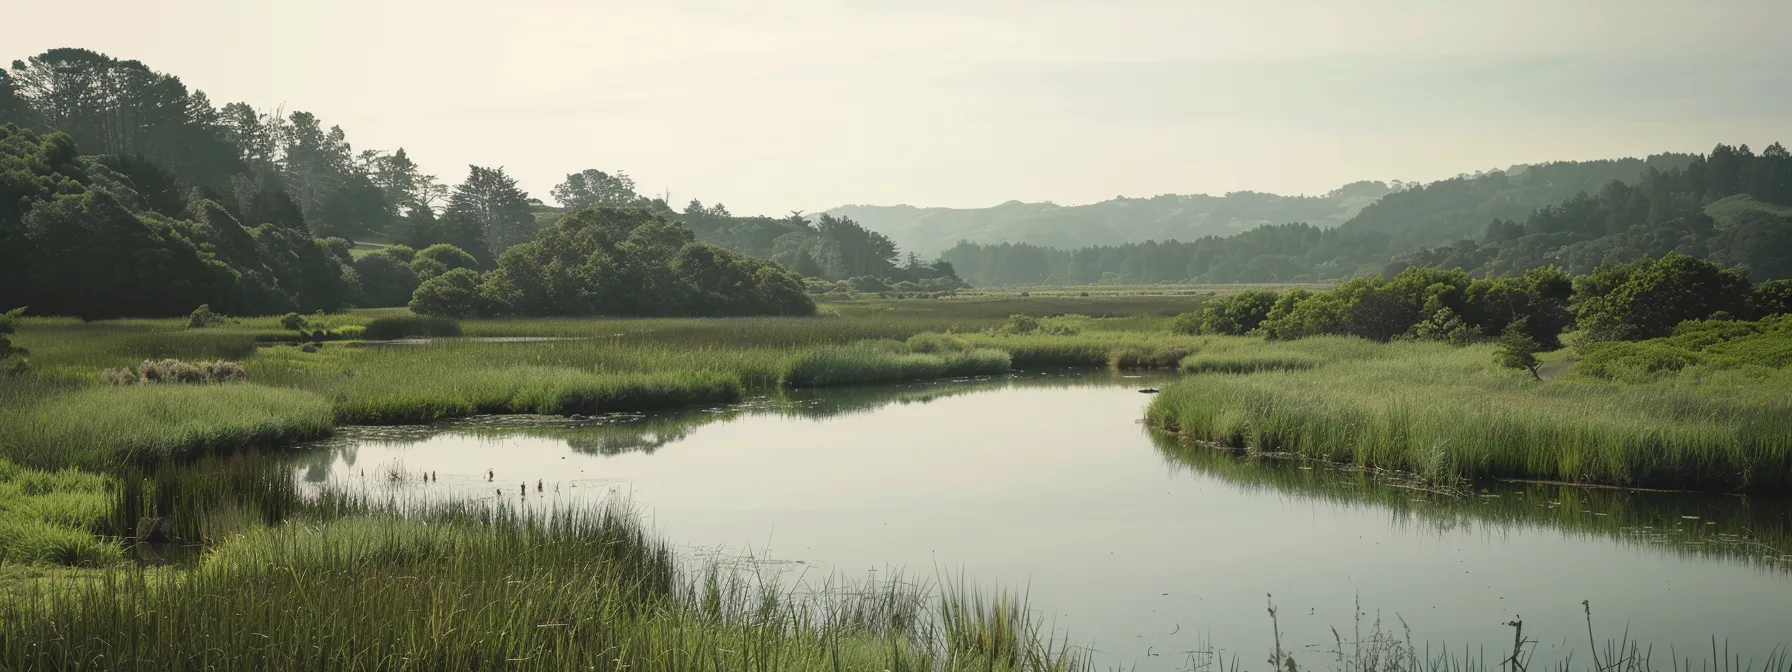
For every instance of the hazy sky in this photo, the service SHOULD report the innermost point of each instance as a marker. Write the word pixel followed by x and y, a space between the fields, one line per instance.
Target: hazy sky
pixel 774 105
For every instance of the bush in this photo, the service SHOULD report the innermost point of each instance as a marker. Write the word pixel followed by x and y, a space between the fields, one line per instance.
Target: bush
pixel 452 294
pixel 292 322
pixel 1773 297
pixel 386 280
pixel 866 283
pixel 1634 361
pixel 1237 314
pixel 203 317
pixel 426 269
pixel 1645 300
pixel 449 256
pixel 402 253
pixel 1019 325
pixel 12 358
pixel 1186 324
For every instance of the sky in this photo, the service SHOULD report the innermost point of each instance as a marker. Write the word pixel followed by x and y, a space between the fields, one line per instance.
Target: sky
pixel 779 105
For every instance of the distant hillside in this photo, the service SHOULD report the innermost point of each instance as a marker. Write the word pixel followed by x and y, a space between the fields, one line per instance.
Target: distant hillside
pixel 928 231
pixel 1732 206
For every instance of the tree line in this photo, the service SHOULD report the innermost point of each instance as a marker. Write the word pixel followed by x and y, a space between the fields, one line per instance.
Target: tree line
pixel 1731 206
pixel 125 193
pixel 1632 301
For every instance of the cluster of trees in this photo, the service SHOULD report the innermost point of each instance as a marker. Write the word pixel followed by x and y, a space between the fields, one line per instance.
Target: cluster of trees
pixel 827 247
pixel 616 261
pixel 1677 210
pixel 124 193
pixel 76 239
pixel 1731 206
pixel 1421 304
pixel 1632 301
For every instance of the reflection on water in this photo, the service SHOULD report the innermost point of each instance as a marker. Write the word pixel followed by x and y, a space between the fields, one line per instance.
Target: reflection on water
pixel 1143 547
pixel 1751 531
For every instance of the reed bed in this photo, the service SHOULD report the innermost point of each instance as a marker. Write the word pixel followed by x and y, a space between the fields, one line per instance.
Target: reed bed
pixel 1445 412
pixel 890 361
pixel 470 587
pixel 100 428
pixel 51 517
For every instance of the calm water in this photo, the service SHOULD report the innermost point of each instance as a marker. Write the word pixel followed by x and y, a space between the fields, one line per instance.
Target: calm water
pixel 1128 542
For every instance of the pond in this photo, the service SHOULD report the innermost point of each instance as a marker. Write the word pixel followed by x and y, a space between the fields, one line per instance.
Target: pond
pixel 1142 548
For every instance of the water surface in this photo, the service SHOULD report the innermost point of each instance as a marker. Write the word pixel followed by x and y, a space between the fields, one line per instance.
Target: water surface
pixel 1143 548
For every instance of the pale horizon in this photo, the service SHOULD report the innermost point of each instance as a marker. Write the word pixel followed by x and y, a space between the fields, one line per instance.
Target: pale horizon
pixel 796 105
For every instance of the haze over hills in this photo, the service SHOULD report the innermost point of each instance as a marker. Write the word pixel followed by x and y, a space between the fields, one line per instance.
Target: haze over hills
pixel 927 231
pixel 1728 205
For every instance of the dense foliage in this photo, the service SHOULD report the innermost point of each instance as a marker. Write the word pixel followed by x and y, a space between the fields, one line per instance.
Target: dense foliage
pixel 1732 206
pixel 827 247
pixel 77 239
pixel 182 203
pixel 1418 304
pixel 1713 343
pixel 616 261
pixel 1618 302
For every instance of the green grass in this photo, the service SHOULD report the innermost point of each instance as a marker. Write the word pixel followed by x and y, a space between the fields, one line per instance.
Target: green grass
pixel 51 517
pixel 101 428
pixel 923 357
pixel 1445 412
pixel 459 587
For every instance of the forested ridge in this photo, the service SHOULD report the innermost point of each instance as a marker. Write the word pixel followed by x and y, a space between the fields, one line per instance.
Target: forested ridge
pixel 1729 206
pixel 123 192
pixel 1111 222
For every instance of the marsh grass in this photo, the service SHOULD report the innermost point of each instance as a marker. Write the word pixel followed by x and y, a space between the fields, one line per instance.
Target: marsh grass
pixel 462 586
pixel 101 428
pixel 1444 412
pixel 1248 362
pixel 51 517
pixel 922 357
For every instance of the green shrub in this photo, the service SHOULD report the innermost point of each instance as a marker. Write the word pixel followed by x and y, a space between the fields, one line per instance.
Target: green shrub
pixel 449 256
pixel 452 294
pixel 203 317
pixel 1634 361
pixel 1237 314
pixel 1186 324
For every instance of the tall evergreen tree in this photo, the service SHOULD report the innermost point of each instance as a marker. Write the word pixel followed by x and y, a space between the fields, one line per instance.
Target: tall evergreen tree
pixel 487 214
